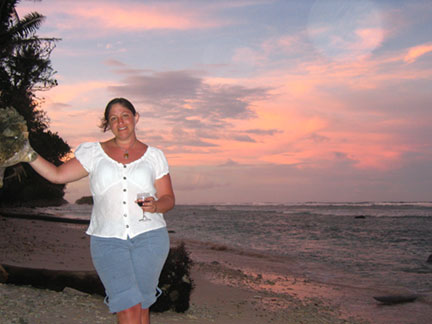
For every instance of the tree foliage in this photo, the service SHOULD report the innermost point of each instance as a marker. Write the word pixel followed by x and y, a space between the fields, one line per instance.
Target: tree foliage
pixel 25 68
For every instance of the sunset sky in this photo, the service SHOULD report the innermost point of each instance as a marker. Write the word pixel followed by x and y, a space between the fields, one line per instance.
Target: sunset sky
pixel 255 100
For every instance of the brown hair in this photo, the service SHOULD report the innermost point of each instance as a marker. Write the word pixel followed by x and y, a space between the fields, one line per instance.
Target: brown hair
pixel 121 101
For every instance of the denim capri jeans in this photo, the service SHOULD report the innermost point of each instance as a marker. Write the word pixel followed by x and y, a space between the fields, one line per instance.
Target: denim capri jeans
pixel 130 269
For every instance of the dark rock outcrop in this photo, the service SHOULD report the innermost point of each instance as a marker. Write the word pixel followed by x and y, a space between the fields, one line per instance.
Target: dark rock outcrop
pixel 85 200
pixel 175 282
pixel 396 299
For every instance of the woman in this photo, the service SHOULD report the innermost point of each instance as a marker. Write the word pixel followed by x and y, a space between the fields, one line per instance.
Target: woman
pixel 129 244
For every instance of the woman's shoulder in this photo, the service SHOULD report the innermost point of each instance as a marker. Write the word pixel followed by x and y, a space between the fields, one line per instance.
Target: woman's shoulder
pixel 85 153
pixel 87 146
pixel 156 155
pixel 152 150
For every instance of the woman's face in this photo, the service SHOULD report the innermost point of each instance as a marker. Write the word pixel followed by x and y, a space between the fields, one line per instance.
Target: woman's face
pixel 122 121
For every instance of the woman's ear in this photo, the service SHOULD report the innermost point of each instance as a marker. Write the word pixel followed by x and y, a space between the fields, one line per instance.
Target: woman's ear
pixel 137 117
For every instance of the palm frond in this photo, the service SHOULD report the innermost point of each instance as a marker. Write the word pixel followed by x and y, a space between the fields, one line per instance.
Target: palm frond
pixel 27 25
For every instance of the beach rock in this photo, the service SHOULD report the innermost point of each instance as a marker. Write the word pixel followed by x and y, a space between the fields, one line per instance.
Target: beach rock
pixel 396 299
pixel 85 200
pixel 175 282
pixel 3 275
pixel 429 260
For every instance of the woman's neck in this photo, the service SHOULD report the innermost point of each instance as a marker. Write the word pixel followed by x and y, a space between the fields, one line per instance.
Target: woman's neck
pixel 125 144
pixel 126 149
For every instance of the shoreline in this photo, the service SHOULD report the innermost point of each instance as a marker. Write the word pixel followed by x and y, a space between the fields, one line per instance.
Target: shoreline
pixel 230 286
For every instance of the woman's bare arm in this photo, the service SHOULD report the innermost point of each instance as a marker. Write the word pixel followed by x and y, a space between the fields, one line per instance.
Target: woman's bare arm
pixel 69 171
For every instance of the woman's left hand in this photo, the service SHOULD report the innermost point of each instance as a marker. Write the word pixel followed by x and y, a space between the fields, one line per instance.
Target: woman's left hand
pixel 149 205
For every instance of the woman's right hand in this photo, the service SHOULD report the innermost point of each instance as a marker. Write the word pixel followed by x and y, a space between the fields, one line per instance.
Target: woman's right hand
pixel 31 154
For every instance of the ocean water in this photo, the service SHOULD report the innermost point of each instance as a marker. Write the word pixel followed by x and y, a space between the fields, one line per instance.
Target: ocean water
pixel 363 244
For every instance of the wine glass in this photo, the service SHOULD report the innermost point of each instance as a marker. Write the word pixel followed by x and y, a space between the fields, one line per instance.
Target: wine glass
pixel 141 197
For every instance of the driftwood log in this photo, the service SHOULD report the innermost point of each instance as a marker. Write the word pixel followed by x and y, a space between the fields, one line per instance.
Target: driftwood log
pixel 85 281
pixel 175 280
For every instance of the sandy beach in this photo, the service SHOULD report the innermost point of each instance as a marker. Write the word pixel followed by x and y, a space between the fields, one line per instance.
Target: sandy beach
pixel 230 286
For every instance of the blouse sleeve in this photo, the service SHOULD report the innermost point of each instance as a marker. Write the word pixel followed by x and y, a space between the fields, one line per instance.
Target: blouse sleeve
pixel 85 155
pixel 160 164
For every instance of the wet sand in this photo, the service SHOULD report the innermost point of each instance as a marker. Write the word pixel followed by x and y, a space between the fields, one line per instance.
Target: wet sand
pixel 231 286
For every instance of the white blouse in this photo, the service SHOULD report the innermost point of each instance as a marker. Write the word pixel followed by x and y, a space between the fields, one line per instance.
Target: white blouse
pixel 114 187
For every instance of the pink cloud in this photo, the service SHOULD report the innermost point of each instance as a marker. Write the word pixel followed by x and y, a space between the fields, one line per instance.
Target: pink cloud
pixel 284 44
pixel 141 17
pixel 417 51
pixel 304 110
pixel 114 16
pixel 369 38
pixel 76 92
